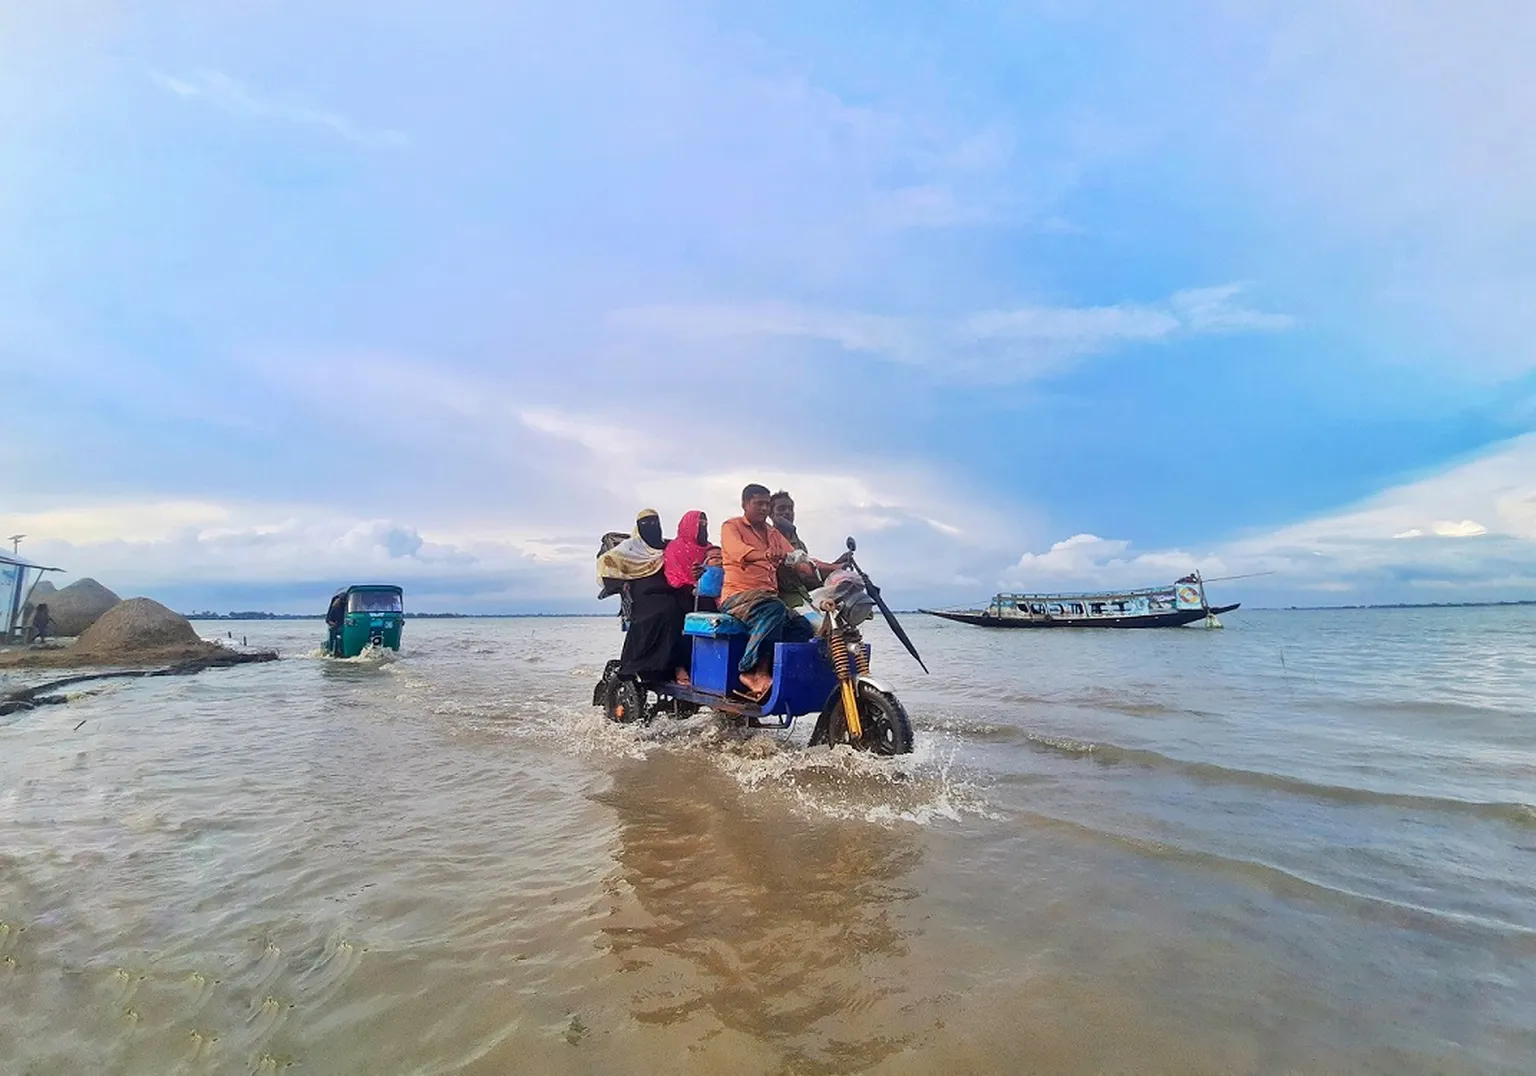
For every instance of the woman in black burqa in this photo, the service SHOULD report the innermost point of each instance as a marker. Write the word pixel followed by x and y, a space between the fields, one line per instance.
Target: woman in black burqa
pixel 652 643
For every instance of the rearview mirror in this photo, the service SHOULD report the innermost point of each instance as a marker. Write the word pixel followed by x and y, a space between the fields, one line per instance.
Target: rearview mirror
pixel 852 545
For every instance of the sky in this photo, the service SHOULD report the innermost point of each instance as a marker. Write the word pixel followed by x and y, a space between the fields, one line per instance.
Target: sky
pixel 1025 295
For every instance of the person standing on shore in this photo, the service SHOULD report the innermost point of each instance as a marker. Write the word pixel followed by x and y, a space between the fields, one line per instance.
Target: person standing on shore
pixel 42 625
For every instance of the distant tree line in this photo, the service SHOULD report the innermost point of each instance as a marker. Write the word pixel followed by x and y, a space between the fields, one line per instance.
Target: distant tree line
pixel 251 614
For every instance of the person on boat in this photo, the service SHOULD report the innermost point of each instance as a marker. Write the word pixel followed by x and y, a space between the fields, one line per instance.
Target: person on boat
pixel 653 643
pixel 752 553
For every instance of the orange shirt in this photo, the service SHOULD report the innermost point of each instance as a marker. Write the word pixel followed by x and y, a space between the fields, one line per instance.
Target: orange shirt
pixel 745 551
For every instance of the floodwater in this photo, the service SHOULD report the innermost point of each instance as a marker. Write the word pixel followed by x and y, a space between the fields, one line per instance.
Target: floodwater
pixel 1306 843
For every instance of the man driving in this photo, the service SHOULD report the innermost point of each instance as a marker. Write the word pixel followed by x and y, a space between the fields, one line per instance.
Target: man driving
pixel 753 552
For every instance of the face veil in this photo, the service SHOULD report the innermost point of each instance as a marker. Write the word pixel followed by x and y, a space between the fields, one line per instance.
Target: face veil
pixel 648 529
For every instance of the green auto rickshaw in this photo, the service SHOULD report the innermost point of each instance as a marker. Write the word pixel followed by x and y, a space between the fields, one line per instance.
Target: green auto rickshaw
pixel 363 616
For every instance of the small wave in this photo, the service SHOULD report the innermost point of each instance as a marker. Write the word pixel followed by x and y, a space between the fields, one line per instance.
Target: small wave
pixel 1100 699
pixel 970 728
pixel 1514 813
pixel 1434 708
pixel 1289 883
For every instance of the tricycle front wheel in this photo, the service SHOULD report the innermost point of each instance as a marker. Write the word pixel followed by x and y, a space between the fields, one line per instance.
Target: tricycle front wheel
pixel 887 730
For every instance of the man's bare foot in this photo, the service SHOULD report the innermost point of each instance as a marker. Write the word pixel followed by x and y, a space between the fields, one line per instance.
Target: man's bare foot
pixel 758 684
pixel 681 677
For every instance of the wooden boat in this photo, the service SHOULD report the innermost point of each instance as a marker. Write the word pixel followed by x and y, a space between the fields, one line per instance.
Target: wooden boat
pixel 1173 606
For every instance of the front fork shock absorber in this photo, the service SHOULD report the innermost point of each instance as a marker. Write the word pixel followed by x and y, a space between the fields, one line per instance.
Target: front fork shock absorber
pixel 838 646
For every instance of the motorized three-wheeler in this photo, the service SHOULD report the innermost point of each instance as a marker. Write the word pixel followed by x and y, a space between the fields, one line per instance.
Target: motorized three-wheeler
pixel 364 616
pixel 828 676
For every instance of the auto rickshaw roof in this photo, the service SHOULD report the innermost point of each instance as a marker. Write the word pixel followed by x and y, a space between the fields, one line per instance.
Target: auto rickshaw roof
pixel 368 586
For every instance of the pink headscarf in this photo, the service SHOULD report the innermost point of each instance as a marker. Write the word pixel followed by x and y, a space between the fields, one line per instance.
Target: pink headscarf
pixel 686 552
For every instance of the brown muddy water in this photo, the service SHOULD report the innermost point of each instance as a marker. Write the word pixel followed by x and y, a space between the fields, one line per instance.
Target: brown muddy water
pixel 1302 844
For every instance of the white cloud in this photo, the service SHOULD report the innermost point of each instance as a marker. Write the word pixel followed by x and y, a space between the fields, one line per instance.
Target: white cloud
pixel 119 521
pixel 1467 528
pixel 1084 330
pixel 1087 560
pixel 1008 344
pixel 909 518
pixel 906 527
pixel 230 95
pixel 1078 330
pixel 291 553
pixel 1211 310
pixel 1498 489
pixel 851 330
pixel 1421 534
pixel 601 438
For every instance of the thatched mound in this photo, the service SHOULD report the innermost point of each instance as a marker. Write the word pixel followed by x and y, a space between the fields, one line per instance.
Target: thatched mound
pixel 136 632
pixel 73 609
pixel 134 625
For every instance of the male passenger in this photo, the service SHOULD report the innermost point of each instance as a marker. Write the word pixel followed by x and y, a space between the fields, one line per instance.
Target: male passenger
pixel 793 591
pixel 781 508
pixel 753 552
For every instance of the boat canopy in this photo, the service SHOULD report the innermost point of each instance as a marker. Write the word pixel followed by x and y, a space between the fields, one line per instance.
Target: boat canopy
pixel 1080 596
pixel 1172 605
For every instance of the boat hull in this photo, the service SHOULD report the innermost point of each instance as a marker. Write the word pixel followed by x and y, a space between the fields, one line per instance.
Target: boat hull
pixel 1173 619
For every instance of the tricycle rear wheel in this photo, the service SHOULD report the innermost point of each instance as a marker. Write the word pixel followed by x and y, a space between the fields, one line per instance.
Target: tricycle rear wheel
pixel 626 702
pixel 887 730
pixel 604 688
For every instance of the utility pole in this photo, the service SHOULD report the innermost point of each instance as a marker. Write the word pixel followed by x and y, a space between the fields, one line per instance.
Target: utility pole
pixel 15 541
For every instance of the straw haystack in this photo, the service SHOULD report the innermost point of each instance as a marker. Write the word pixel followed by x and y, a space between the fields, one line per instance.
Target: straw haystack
pixel 72 609
pixel 136 632
pixel 134 626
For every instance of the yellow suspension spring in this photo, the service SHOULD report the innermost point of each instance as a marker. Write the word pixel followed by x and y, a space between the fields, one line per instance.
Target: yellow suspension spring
pixel 839 648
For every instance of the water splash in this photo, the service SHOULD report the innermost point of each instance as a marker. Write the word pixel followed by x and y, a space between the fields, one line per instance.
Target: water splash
pixel 924 787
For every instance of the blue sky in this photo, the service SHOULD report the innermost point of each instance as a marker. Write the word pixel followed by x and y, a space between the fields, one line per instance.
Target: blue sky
pixel 1033 295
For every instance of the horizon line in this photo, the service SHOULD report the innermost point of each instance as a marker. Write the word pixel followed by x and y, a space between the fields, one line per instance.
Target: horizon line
pixel 249 615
